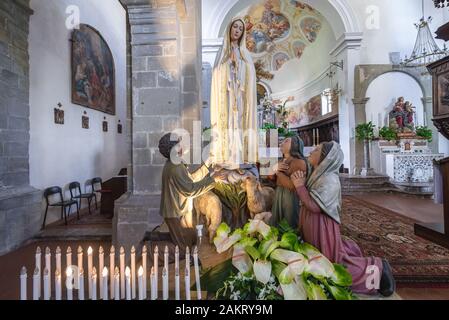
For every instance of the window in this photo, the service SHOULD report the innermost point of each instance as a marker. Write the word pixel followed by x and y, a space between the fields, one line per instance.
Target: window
pixel 326 102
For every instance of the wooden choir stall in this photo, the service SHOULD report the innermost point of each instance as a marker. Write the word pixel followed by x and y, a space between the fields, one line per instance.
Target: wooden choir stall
pixel 439 233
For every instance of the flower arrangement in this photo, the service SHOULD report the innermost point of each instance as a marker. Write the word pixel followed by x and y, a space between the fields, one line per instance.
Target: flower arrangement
pixel 271 263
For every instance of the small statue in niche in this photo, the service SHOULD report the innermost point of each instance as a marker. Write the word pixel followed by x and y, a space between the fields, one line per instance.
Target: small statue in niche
pixel 402 117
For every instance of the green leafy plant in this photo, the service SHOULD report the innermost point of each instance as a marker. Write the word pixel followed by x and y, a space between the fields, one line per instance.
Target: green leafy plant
pixel 269 126
pixel 234 197
pixel 424 132
pixel 271 264
pixel 388 134
pixel 365 131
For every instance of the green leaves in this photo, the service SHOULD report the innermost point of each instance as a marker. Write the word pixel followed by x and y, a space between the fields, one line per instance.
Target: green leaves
pixel 365 131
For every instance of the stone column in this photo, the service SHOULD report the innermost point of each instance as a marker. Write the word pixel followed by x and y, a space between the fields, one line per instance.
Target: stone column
pixel 428 109
pixel 166 74
pixel 360 117
pixel 20 215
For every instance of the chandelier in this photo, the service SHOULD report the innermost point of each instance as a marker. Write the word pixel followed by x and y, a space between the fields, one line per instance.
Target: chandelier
pixel 426 49
pixel 441 3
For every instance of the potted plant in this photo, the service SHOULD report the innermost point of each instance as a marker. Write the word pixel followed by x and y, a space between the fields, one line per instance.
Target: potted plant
pixel 387 133
pixel 425 133
pixel 365 134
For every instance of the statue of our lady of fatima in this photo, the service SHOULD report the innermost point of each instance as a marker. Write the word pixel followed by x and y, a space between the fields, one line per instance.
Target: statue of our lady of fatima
pixel 234 103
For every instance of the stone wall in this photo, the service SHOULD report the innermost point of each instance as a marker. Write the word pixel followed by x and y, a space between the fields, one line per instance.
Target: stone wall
pixel 19 203
pixel 14 93
pixel 166 95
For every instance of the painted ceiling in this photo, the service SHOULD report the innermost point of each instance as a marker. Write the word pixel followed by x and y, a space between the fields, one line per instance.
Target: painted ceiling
pixel 280 30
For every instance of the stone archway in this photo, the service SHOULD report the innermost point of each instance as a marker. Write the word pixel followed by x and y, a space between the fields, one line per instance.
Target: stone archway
pixel 365 75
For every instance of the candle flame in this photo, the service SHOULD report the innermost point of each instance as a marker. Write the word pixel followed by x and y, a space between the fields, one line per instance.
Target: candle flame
pixel 105 272
pixel 140 272
pixel 23 271
pixel 127 272
pixel 89 251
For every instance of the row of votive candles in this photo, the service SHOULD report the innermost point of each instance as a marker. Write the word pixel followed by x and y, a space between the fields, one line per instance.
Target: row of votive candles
pixel 116 283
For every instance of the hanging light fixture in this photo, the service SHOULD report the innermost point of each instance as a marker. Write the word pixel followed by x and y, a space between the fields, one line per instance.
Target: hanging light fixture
pixel 441 3
pixel 426 49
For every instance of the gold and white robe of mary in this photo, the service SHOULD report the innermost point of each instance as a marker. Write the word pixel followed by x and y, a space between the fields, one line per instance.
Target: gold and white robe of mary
pixel 234 113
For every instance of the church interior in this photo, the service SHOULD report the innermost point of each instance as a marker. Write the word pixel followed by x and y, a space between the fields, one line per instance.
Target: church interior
pixel 347 107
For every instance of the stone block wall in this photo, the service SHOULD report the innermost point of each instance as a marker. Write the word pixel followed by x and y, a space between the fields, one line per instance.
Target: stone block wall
pixel 20 213
pixel 14 93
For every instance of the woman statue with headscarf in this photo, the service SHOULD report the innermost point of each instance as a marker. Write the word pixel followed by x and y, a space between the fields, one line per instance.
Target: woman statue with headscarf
pixel 234 103
pixel 286 202
pixel 321 201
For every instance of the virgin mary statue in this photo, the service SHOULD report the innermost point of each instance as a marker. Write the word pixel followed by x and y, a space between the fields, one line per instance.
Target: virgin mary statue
pixel 234 103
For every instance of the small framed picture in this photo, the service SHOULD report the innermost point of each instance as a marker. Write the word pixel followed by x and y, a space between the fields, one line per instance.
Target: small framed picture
pixel 105 126
pixel 119 127
pixel 85 122
pixel 59 116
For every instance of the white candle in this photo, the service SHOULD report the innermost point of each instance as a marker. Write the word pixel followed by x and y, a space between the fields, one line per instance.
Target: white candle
pixel 128 283
pixel 117 283
pixel 38 266
pixel 141 286
pixel 23 283
pixel 94 283
pixel 122 272
pixel 177 285
pixel 197 273
pixel 112 268
pixel 36 284
pixel 48 263
pixel 58 259
pixel 144 267
pixel 133 272
pixel 166 257
pixel 89 270
pixel 58 285
pixel 80 258
pixel 69 282
pixel 68 258
pixel 164 284
pixel 100 268
pixel 47 286
pixel 188 258
pixel 81 285
pixel 177 258
pixel 156 275
pixel 153 285
pixel 187 283
pixel 105 283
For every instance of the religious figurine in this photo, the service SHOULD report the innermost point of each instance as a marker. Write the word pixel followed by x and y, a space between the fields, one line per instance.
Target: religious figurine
pixel 234 103
pixel 402 117
pixel 409 116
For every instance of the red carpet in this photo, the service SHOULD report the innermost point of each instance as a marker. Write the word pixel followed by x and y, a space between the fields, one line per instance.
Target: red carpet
pixel 386 234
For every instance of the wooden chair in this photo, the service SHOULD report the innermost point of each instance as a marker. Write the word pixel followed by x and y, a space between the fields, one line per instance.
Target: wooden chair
pixel 62 203
pixel 76 194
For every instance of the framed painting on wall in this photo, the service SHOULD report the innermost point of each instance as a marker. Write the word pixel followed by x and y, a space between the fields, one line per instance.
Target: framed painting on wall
pixel 93 71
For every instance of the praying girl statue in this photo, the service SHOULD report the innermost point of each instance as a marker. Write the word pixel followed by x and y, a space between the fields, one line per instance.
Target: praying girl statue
pixel 234 143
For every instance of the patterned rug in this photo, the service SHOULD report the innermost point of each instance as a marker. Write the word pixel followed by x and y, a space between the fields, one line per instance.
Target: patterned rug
pixel 386 234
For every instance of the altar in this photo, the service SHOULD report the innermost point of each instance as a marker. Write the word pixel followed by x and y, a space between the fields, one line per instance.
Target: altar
pixel 408 163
